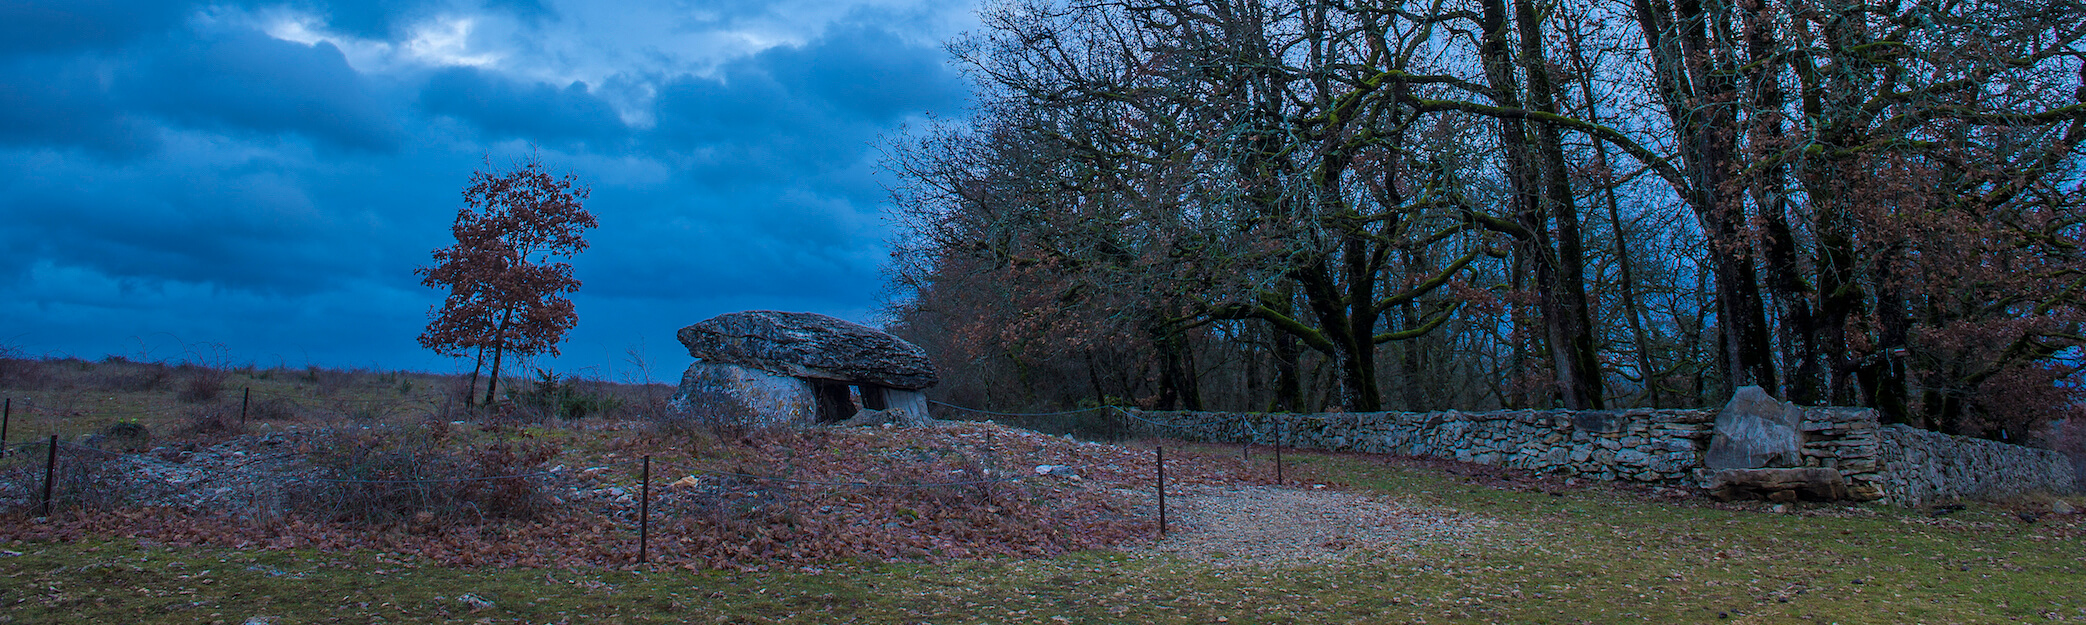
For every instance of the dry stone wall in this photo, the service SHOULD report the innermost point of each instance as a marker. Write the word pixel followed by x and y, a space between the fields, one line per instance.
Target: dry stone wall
pixel 1843 439
pixel 1642 445
pixel 1894 463
pixel 1919 466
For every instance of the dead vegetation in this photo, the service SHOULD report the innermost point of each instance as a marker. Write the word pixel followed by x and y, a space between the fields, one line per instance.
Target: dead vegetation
pixel 325 459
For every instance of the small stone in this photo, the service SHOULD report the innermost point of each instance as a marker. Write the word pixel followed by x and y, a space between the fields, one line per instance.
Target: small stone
pixel 1056 469
pixel 2060 507
pixel 1779 509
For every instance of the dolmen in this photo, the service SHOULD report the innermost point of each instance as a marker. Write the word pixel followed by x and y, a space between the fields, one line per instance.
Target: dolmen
pixel 795 369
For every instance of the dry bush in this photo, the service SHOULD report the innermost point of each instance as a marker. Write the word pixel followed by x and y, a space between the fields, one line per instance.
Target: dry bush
pixel 272 409
pixel 84 477
pixel 2069 438
pixel 120 375
pixel 880 497
pixel 202 385
pixel 212 423
pixel 121 436
pixel 21 373
pixel 414 477
pixel 551 396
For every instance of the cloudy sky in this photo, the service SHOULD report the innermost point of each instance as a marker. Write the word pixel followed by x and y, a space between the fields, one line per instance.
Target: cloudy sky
pixel 254 182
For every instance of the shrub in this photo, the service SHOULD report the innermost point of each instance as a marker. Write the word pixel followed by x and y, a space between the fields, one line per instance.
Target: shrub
pixel 203 386
pixel 552 396
pixel 122 436
pixel 19 372
pixel 272 409
pixel 408 476
pixel 2069 437
pixel 84 478
pixel 123 376
pixel 213 422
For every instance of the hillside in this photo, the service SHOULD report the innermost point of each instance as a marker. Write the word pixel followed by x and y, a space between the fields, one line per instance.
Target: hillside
pixel 412 509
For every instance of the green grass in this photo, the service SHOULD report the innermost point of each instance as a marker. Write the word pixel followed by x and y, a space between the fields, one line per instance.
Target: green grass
pixel 1593 555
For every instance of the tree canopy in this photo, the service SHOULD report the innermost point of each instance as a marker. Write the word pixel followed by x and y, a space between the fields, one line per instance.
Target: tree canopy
pixel 505 274
pixel 1506 203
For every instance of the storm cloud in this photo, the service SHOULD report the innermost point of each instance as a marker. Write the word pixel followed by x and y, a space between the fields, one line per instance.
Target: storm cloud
pixel 264 177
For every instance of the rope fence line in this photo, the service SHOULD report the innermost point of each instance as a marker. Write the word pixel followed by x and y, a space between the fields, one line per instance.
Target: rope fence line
pixel 1282 421
pixel 1017 414
pixel 691 469
pixel 245 468
pixel 696 470
pixel 448 480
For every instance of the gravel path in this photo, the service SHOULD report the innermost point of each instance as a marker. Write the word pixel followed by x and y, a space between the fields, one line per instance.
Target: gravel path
pixel 1266 525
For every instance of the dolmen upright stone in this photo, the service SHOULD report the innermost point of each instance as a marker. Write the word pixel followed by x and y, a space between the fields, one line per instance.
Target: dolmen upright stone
pixel 1756 452
pixel 791 368
pixel 1754 431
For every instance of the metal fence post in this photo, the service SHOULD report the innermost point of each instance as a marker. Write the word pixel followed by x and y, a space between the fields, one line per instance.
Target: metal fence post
pixel 6 414
pixel 50 468
pixel 1278 451
pixel 1162 489
pixel 644 510
pixel 245 397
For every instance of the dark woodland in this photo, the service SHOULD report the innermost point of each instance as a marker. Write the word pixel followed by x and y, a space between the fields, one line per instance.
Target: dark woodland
pixel 1486 204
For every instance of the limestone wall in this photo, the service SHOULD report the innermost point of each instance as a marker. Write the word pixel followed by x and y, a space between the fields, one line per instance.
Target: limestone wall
pixel 1631 445
pixel 1918 466
pixel 1895 463
pixel 1843 439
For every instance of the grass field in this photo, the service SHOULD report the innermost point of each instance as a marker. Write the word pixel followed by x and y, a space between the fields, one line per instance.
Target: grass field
pixel 1595 555
pixel 1586 554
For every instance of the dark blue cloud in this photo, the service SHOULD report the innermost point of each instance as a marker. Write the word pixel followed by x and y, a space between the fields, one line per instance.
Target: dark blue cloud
pixel 868 73
pixel 247 81
pixel 60 102
pixel 505 108
pixel 63 25
pixel 798 112
pixel 275 200
pixel 383 19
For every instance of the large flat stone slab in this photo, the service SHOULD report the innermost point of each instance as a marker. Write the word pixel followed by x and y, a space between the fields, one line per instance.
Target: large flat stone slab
pixel 810 345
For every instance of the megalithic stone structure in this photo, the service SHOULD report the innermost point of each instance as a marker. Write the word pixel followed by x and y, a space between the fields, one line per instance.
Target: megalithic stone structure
pixel 793 368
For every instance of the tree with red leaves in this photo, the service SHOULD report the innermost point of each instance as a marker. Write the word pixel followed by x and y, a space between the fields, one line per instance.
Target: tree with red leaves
pixel 505 274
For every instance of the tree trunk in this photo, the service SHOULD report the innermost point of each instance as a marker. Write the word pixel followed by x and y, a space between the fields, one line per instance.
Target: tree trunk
pixel 1574 324
pixel 1289 385
pixel 1677 36
pixel 1768 138
pixel 471 392
pixel 1177 375
pixel 492 384
pixel 1626 292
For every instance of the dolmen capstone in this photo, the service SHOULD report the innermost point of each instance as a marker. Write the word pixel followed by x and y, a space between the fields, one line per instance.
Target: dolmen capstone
pixel 791 368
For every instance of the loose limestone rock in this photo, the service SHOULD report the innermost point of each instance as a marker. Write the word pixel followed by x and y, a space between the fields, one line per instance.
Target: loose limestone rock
pixel 870 417
pixel 810 345
pixel 1754 431
pixel 1780 485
